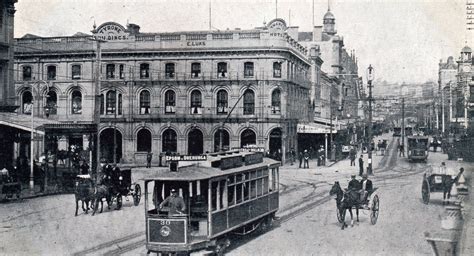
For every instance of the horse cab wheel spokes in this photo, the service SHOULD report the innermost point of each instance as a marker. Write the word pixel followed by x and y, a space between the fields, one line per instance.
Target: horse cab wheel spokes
pixel 137 195
pixel 425 191
pixel 374 214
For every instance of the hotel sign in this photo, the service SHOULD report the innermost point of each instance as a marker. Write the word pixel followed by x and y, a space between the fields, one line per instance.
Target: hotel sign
pixel 111 31
pixel 316 129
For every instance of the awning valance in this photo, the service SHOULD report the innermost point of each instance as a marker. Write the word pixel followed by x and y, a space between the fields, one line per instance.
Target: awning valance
pixel 24 122
pixel 315 128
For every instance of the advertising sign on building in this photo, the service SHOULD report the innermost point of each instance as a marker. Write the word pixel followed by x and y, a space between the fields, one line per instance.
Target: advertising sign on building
pixel 111 31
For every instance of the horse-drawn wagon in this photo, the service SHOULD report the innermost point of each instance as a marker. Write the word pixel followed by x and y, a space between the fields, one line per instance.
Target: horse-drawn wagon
pixel 349 200
pixel 436 181
pixel 119 184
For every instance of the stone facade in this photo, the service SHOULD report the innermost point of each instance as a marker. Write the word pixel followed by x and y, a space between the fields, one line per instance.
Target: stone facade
pixel 172 92
pixel 7 11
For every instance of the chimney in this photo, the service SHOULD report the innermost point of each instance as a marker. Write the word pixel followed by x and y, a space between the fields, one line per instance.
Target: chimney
pixel 293 32
pixel 133 28
pixel 317 31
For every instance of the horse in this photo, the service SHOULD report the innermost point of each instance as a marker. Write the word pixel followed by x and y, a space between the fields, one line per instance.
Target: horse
pixel 345 200
pixel 84 192
pixel 101 191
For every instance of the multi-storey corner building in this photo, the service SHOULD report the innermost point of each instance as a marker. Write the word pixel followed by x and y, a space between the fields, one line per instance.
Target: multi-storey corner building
pixel 446 82
pixel 463 103
pixel 7 12
pixel 169 92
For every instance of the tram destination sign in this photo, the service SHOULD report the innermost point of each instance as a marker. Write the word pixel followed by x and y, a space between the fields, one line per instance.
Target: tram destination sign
pixel 186 158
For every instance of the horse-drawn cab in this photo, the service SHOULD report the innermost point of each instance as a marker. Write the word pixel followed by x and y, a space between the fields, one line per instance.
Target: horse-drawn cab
pixel 437 180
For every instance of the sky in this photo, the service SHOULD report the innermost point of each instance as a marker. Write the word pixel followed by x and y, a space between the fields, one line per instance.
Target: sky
pixel 403 40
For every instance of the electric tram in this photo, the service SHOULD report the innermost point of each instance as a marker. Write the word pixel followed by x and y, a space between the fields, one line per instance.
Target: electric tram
pixel 224 194
pixel 418 147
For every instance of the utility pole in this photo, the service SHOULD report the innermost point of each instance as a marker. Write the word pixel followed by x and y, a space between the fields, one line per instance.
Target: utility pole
pixel 403 122
pixel 369 150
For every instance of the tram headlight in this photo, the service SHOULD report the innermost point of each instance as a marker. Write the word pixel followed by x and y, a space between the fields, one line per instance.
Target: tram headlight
pixel 165 231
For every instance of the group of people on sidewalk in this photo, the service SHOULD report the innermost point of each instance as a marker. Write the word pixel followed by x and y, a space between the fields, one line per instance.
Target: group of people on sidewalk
pixel 306 155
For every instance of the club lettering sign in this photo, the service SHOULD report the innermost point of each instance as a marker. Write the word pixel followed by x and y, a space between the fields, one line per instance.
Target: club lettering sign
pixel 186 158
pixel 111 31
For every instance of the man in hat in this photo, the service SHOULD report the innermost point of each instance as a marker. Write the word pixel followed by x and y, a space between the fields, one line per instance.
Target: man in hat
pixel 366 188
pixel 354 184
pixel 175 203
pixel 306 159
pixel 361 165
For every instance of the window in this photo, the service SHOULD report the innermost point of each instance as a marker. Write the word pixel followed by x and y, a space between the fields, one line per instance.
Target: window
pixel 170 142
pixel 110 68
pixel 111 102
pixel 51 103
pixel 76 107
pixel 277 69
pixel 276 101
pixel 222 102
pixel 195 70
pixel 169 70
pixel 51 72
pixel 144 140
pixel 76 72
pixel 144 102
pixel 170 101
pixel 102 104
pixel 26 73
pixel 144 70
pixel 121 71
pixel 120 104
pixel 249 102
pixel 196 102
pixel 221 69
pixel 221 133
pixel 248 69
pixel 27 102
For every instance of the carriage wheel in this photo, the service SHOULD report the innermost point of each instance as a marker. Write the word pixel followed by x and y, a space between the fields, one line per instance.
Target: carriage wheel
pixel 339 217
pixel 425 191
pixel 374 215
pixel 137 195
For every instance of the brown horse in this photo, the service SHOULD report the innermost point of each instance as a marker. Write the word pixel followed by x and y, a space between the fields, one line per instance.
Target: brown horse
pixel 345 200
pixel 83 192
pixel 101 191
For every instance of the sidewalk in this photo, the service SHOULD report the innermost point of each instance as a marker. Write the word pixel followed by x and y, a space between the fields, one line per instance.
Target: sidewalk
pixel 343 166
pixel 467 238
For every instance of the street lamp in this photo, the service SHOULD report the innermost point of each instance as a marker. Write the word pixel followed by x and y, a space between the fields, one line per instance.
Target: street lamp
pixel 32 182
pixel 370 77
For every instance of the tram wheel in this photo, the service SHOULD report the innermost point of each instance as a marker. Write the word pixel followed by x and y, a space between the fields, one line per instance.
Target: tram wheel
pixel 221 246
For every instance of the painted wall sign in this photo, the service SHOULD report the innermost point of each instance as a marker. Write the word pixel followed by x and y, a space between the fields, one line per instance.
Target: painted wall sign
pixel 196 43
pixel 111 31
pixel 277 24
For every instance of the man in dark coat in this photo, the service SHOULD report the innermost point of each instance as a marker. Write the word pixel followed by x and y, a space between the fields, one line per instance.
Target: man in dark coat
pixel 300 158
pixel 354 184
pixel 352 156
pixel 361 165
pixel 83 167
pixel 148 159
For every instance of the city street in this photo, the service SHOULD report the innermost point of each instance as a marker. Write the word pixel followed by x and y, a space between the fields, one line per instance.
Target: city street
pixel 306 224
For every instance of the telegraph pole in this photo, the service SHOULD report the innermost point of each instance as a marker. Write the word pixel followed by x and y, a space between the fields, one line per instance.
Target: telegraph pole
pixel 403 122
pixel 369 150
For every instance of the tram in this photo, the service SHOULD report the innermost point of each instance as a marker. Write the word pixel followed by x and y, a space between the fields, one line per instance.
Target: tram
pixel 417 147
pixel 225 194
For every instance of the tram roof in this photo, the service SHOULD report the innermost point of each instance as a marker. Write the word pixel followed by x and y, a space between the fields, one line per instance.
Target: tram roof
pixel 198 171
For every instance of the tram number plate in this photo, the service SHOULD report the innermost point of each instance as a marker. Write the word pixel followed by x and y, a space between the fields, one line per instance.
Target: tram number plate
pixel 438 179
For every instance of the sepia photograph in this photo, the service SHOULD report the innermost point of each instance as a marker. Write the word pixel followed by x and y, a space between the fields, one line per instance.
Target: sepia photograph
pixel 236 127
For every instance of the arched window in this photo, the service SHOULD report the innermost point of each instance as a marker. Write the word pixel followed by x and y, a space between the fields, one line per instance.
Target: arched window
pixel 169 70
pixel 144 140
pixel 248 137
pixel 222 102
pixel 51 105
pixel 276 101
pixel 277 69
pixel 170 102
pixel 76 103
pixel 170 141
pixel 144 102
pixel 249 102
pixel 111 102
pixel 217 139
pixel 27 102
pixel 196 102
pixel 144 70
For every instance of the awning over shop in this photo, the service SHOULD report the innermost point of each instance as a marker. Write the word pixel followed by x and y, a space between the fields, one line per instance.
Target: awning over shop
pixel 315 128
pixel 23 122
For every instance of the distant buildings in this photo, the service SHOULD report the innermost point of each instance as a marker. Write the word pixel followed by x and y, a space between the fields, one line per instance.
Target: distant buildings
pixel 7 92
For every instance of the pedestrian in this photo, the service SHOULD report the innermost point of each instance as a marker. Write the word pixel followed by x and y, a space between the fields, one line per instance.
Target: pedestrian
pixel 306 159
pixel 402 150
pixel 149 155
pixel 292 156
pixel 361 165
pixel 83 167
pixel 300 157
pixel 352 156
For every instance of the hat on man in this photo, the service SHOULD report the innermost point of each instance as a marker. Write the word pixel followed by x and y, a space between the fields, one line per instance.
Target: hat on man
pixel 305 150
pixel 173 190
pixel 364 175
pixel 353 175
